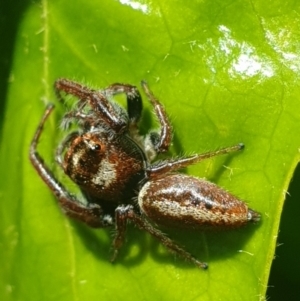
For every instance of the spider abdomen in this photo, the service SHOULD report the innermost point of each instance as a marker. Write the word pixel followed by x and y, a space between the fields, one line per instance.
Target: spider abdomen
pixel 185 201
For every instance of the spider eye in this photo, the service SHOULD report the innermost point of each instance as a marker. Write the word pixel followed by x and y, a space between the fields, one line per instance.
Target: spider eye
pixel 96 147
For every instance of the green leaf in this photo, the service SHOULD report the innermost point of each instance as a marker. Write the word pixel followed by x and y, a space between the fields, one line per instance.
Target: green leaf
pixel 227 72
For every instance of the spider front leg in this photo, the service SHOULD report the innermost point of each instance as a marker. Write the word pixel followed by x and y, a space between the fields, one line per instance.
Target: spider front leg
pixel 133 97
pixel 90 214
pixel 105 110
pixel 127 213
pixel 62 146
pixel 102 108
pixel 161 141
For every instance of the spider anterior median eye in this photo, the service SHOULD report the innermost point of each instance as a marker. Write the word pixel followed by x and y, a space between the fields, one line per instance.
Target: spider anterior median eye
pixel 96 147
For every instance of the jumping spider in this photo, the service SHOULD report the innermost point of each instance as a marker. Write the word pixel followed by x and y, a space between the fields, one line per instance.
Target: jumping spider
pixel 111 164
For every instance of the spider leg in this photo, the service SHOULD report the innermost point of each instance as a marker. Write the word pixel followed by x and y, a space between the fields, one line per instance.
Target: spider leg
pixel 124 213
pixel 161 141
pixel 133 97
pixel 167 166
pixel 62 146
pixel 101 106
pixel 90 214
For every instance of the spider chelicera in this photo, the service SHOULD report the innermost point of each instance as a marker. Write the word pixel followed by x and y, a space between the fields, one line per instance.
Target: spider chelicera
pixel 112 165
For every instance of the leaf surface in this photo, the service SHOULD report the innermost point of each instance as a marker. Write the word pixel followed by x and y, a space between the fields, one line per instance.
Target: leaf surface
pixel 227 72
